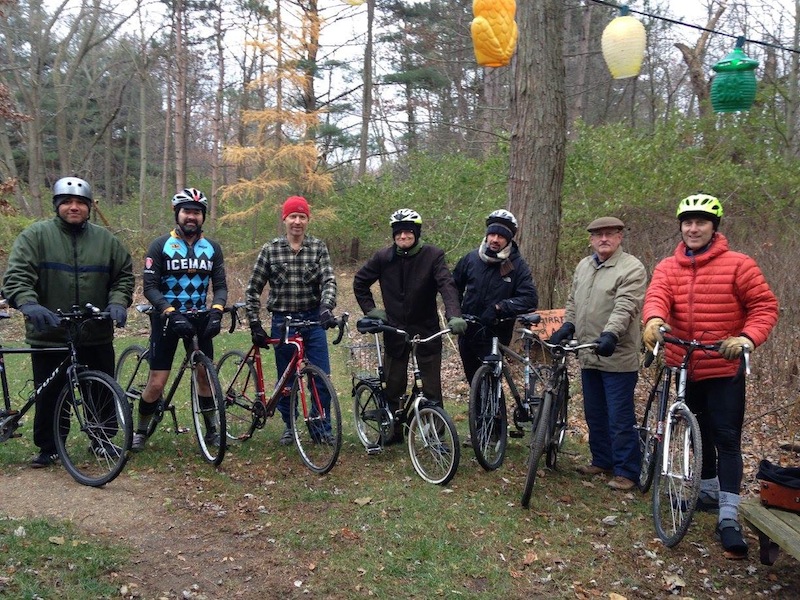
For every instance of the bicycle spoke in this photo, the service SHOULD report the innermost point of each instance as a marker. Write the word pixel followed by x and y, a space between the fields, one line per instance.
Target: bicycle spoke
pixel 239 383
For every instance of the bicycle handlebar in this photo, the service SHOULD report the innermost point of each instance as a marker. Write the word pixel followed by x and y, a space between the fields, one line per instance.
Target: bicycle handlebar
pixel 692 345
pixel 370 325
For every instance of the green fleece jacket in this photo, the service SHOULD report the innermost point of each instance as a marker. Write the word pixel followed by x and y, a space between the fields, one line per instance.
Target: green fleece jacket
pixel 59 265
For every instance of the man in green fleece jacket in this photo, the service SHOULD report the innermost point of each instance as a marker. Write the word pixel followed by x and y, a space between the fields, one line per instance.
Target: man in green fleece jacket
pixel 55 264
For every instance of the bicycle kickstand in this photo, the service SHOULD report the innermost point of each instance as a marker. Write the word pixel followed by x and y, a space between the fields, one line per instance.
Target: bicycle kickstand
pixel 171 409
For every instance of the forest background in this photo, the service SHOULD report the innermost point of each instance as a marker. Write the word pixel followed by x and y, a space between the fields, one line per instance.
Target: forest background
pixel 365 107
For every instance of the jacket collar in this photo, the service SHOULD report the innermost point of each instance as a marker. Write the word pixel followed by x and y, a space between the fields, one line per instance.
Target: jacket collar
pixel 718 245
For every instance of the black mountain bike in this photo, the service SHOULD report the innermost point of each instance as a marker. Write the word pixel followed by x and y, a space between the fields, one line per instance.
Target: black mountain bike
pixel 93 427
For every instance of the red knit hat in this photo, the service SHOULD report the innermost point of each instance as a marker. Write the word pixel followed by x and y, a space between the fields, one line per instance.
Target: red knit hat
pixel 295 204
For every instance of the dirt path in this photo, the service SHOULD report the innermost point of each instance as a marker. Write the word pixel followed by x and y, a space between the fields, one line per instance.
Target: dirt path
pixel 175 553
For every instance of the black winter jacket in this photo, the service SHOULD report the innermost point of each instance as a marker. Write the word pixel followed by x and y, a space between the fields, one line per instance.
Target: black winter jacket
pixel 409 284
pixel 508 284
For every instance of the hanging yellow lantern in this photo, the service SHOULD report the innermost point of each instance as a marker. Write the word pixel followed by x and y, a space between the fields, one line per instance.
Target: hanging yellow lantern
pixel 494 31
pixel 624 41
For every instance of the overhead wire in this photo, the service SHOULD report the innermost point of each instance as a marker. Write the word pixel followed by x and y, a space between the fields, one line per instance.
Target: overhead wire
pixel 693 26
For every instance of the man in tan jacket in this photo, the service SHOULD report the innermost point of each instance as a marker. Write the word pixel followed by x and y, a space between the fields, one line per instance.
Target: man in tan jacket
pixel 604 306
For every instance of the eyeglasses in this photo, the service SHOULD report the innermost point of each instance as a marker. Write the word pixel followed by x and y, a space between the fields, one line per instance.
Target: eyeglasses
pixel 605 233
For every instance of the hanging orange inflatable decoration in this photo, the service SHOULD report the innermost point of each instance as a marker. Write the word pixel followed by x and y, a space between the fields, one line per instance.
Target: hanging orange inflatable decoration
pixel 494 31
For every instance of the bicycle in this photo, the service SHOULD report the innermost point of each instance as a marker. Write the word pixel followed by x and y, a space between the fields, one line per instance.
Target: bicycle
pixel 93 426
pixel 430 432
pixel 209 421
pixel 316 424
pixel 670 443
pixel 488 420
pixel 550 421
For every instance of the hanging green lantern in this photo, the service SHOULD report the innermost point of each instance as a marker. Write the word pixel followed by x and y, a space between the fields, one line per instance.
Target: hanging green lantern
pixel 733 88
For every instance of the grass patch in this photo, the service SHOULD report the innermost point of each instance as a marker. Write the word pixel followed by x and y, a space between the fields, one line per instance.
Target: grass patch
pixel 44 559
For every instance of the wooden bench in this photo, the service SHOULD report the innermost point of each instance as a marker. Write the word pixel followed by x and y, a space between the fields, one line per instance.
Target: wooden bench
pixel 776 529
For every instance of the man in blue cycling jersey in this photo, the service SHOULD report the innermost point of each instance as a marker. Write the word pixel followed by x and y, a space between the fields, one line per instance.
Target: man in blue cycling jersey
pixel 179 269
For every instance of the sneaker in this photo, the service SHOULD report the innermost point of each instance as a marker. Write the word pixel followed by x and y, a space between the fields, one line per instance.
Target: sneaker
pixel 287 438
pixel 139 441
pixel 326 439
pixel 707 504
pixel 621 483
pixel 212 439
pixel 592 470
pixel 44 459
pixel 729 532
pixel 105 450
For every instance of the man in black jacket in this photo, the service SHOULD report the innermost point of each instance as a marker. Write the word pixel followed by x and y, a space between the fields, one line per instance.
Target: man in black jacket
pixel 410 274
pixel 494 282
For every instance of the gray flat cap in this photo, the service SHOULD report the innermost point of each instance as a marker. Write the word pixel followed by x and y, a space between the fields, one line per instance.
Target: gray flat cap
pixel 605 222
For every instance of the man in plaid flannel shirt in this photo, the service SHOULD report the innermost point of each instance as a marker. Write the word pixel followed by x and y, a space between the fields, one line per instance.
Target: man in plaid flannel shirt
pixel 302 286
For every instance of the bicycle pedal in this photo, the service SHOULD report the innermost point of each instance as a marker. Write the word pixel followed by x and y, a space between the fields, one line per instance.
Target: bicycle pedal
pixel 374 450
pixel 515 433
pixel 183 430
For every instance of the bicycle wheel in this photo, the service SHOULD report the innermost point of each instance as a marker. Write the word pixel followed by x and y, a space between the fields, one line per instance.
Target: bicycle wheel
pixel 316 419
pixel 132 371
pixel 538 443
pixel 374 424
pixel 487 418
pixel 239 382
pixel 558 424
pixel 433 444
pixel 677 483
pixel 208 411
pixel 93 431
pixel 648 430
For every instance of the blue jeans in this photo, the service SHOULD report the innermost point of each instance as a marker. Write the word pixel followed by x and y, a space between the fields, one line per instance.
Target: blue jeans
pixel 316 347
pixel 608 406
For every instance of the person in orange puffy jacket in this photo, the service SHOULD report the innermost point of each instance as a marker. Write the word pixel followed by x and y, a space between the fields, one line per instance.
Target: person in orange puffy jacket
pixel 708 292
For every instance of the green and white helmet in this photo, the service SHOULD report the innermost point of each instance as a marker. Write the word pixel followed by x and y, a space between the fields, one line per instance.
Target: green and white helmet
pixel 406 219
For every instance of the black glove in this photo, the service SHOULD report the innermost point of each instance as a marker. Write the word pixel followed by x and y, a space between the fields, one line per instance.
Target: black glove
pixel 179 324
pixel 258 335
pixel 606 344
pixel 119 314
pixel 214 323
pixel 326 318
pixel 489 316
pixel 42 318
pixel 564 333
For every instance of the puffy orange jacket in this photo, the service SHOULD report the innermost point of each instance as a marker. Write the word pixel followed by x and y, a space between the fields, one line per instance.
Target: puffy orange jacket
pixel 709 297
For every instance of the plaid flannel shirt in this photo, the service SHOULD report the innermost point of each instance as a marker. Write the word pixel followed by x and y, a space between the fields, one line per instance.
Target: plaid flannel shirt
pixel 297 281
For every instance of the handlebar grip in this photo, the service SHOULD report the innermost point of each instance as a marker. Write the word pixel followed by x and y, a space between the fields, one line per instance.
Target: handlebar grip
pixel 234 319
pixel 342 321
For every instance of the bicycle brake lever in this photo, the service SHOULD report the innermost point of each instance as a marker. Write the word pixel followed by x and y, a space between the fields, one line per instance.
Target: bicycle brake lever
pixel 342 322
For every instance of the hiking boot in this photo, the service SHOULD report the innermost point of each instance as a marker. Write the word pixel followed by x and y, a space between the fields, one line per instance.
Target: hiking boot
pixel 592 470
pixel 287 438
pixel 621 483
pixel 105 450
pixel 44 459
pixel 139 442
pixel 729 532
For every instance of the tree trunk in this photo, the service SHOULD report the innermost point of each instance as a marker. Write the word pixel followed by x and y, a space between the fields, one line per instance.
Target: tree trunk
pixel 182 72
pixel 538 139
pixel 366 103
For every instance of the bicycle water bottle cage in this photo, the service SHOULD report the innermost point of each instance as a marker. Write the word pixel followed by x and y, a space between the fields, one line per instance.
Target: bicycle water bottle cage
pixel 369 325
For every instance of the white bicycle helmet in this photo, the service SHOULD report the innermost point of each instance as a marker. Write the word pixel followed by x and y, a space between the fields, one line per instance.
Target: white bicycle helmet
pixel 504 219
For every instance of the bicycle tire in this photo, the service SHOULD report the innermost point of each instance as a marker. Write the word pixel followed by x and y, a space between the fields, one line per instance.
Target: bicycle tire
pixel 208 414
pixel 558 425
pixel 433 444
pixel 132 371
pixel 374 424
pixel 317 430
pixel 648 431
pixel 537 446
pixel 488 422
pixel 675 492
pixel 93 435
pixel 239 382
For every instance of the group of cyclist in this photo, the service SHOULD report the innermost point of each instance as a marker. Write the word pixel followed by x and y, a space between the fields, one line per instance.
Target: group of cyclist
pixel 704 291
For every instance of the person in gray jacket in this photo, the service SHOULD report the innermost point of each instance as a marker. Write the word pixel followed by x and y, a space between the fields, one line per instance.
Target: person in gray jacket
pixel 604 306
pixel 55 264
